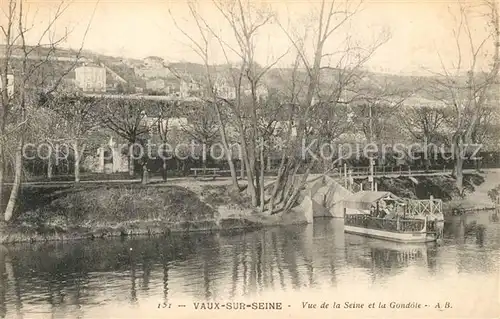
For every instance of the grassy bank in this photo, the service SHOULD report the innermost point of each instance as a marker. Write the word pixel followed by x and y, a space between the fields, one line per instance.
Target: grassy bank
pixel 98 211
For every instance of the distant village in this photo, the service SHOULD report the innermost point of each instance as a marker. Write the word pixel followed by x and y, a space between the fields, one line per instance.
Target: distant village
pixel 155 79
pixel 151 76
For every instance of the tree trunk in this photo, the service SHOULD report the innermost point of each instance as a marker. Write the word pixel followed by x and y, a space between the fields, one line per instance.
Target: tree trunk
pixel 131 161
pixel 1 176
pixel 459 175
pixel 249 167
pixel 242 169
pixel 262 182
pixel 294 196
pixel 77 171
pixel 131 166
pixel 145 175
pixel 203 157
pixel 459 162
pixel 232 168
pixel 277 186
pixel 257 184
pixel 229 153
pixel 77 163
pixel 14 193
pixel 49 167
pixel 164 170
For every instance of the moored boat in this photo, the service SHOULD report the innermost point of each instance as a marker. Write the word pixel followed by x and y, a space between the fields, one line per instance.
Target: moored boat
pixel 385 216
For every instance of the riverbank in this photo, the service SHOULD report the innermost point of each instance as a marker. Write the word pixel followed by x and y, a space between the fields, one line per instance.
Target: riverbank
pixel 63 211
pixel 90 211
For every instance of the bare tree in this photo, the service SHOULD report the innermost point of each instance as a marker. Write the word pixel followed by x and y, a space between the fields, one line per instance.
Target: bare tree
pixel 45 129
pixel 129 119
pixel 78 121
pixel 245 20
pixel 201 48
pixel 202 125
pixel 467 86
pixel 485 129
pixel 165 112
pixel 339 77
pixel 424 123
pixel 27 63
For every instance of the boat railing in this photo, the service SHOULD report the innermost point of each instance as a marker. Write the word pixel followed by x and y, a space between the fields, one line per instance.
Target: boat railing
pixel 394 225
pixel 424 206
pixel 433 226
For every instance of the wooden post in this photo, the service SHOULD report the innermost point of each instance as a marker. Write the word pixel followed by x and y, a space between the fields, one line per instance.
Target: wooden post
pixel 431 204
pixel 376 187
pixel 371 174
pixel 351 181
pixel 345 174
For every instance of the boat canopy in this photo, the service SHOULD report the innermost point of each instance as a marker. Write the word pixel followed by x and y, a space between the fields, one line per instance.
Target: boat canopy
pixel 365 199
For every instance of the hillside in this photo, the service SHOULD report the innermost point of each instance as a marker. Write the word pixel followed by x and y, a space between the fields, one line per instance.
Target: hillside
pixel 63 61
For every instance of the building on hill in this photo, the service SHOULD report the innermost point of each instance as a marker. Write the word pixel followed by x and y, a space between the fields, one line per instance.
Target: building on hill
pixel 150 73
pixel 190 89
pixel 153 67
pixel 156 85
pixel 91 78
pixel 224 89
pixel 154 62
pixel 261 92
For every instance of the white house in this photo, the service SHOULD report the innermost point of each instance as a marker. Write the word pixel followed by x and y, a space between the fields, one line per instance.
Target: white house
pixel 91 78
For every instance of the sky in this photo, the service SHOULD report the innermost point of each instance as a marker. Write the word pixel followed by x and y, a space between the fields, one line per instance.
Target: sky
pixel 420 31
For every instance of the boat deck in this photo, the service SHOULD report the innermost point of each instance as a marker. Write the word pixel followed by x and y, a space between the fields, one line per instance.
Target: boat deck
pixel 398 230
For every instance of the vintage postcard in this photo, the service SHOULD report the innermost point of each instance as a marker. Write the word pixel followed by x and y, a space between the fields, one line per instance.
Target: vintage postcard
pixel 249 159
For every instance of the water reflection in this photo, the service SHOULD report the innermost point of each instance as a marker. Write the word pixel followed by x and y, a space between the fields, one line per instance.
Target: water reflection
pixel 468 227
pixel 69 279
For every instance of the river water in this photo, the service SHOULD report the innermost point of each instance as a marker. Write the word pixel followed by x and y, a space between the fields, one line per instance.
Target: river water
pixel 165 277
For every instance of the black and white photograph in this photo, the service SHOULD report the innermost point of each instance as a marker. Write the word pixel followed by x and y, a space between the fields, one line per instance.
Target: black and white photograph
pixel 249 158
